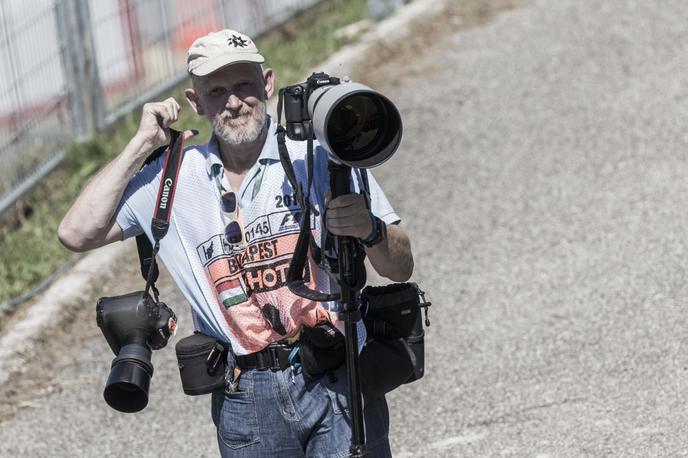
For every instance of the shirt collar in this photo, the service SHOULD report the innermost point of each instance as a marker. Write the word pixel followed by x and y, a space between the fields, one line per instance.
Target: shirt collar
pixel 268 154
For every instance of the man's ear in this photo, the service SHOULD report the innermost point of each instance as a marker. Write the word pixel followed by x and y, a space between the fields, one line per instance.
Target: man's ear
pixel 269 82
pixel 194 102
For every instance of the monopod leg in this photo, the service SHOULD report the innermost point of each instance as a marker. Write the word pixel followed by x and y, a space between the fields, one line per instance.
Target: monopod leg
pixel 358 448
pixel 351 280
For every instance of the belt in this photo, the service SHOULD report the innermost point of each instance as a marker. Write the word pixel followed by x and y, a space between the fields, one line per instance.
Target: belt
pixel 274 357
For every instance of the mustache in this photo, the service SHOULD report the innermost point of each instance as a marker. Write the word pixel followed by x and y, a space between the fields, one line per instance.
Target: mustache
pixel 245 111
pixel 228 115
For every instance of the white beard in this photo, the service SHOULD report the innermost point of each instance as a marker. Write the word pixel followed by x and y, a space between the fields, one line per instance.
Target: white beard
pixel 241 130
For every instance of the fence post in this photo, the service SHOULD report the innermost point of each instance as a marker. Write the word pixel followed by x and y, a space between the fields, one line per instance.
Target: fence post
pixel 84 92
pixel 68 33
pixel 95 102
pixel 13 65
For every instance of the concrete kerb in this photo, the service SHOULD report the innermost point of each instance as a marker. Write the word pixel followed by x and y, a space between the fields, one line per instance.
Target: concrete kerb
pixel 17 344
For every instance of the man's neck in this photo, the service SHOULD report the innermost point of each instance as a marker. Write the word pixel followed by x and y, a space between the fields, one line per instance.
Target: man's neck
pixel 239 159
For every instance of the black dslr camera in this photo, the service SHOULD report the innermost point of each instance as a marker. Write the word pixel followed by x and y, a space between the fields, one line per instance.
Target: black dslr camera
pixel 133 325
pixel 296 99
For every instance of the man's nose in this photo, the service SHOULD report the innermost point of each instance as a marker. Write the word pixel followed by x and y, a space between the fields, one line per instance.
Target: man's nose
pixel 233 103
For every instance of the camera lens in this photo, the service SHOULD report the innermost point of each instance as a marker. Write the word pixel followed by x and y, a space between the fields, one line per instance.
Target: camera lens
pixel 126 389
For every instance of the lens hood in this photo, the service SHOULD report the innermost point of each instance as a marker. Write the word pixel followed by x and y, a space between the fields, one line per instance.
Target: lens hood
pixel 358 126
pixel 127 386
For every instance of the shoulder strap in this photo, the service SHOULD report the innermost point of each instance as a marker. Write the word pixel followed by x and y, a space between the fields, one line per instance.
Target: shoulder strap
pixel 302 199
pixel 143 245
pixel 161 218
pixel 295 274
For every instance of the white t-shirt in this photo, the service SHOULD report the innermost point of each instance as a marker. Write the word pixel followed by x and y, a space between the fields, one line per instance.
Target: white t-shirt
pixel 237 292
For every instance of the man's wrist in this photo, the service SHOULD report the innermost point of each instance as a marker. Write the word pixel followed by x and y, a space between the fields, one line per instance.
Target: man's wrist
pixel 377 234
pixel 137 150
pixel 142 144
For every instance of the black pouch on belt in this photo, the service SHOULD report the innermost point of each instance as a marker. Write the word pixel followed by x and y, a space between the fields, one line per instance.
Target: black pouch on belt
pixel 202 363
pixel 321 349
pixel 395 352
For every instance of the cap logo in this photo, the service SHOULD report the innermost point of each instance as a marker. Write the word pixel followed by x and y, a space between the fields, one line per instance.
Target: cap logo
pixel 238 42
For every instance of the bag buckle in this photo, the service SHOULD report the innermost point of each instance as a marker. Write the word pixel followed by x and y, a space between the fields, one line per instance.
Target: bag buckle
pixel 213 360
pixel 424 304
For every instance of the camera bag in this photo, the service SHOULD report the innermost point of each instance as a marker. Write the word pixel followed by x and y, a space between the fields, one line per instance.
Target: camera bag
pixel 394 353
pixel 202 363
pixel 321 349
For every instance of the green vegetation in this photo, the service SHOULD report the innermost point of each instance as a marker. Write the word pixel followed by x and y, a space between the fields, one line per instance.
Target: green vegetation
pixel 28 242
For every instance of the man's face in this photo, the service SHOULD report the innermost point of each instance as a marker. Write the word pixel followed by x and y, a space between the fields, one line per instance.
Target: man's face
pixel 233 100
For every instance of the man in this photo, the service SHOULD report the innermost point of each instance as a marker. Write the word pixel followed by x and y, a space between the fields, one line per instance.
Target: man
pixel 233 232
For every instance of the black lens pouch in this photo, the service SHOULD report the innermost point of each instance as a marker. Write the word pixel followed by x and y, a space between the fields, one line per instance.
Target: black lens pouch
pixel 392 311
pixel 202 363
pixel 395 347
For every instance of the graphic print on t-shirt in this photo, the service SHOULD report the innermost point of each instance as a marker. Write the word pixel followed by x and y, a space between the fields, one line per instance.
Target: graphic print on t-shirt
pixel 250 281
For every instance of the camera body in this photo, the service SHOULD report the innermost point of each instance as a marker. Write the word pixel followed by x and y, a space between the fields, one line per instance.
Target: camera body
pixel 135 318
pixel 133 325
pixel 296 104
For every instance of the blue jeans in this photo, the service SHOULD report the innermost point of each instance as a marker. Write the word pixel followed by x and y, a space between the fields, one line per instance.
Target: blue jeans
pixel 285 414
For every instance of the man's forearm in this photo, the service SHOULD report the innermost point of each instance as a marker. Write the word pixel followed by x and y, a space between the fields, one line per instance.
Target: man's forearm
pixel 392 258
pixel 91 216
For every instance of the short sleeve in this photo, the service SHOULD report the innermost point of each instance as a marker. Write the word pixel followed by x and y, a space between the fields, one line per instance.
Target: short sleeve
pixel 127 221
pixel 138 201
pixel 379 204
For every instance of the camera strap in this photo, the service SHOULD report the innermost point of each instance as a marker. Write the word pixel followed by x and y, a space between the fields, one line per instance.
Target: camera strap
pixel 295 277
pixel 161 218
pixel 295 274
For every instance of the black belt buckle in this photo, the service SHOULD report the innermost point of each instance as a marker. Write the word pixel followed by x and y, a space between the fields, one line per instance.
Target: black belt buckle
pixel 279 356
pixel 265 359
pixel 274 359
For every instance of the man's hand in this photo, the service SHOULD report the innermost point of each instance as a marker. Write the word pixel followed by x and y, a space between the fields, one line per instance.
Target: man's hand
pixel 156 119
pixel 347 215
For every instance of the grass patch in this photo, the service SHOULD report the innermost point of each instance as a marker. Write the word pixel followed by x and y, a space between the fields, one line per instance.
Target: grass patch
pixel 28 242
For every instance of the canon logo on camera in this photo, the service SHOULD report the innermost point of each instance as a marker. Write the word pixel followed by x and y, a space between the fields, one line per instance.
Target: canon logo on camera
pixel 165 193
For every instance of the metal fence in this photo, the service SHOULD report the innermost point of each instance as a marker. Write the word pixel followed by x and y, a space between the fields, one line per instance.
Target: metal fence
pixel 75 66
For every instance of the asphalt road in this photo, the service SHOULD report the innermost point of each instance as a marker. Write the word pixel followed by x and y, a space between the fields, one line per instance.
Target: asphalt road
pixel 542 181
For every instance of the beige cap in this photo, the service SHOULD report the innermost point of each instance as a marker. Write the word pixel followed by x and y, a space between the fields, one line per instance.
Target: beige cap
pixel 217 49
